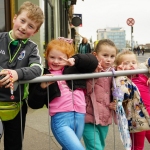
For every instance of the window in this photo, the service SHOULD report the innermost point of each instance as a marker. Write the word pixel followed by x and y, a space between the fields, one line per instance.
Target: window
pixel 5 18
pixel 2 16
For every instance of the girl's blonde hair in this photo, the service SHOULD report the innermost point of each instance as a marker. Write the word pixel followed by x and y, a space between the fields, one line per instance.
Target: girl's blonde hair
pixel 104 42
pixel 119 56
pixel 60 45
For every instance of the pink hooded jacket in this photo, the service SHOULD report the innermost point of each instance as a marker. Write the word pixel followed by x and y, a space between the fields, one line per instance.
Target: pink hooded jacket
pixel 98 100
pixel 141 82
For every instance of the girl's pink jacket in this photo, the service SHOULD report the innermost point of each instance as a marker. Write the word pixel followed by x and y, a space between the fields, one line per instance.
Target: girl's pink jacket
pixel 141 82
pixel 97 101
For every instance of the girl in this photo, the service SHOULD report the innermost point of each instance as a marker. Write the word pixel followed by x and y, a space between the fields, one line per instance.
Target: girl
pixel 126 60
pixel 98 99
pixel 67 99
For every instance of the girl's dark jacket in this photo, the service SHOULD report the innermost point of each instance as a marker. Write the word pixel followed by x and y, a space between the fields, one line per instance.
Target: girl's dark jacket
pixel 84 63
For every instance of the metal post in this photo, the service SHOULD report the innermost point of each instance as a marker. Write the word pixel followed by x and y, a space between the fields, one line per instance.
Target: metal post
pixel 130 22
pixel 131 38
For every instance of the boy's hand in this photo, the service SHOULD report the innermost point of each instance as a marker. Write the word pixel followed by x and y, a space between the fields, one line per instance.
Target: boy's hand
pixel 46 84
pixel 5 81
pixel 14 74
pixel 67 62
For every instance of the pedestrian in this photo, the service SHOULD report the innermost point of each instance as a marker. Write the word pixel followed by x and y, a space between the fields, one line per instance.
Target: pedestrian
pixel 138 50
pixel 66 101
pixel 127 60
pixel 19 60
pixel 99 105
pixel 84 47
pixel 143 50
pixel 134 50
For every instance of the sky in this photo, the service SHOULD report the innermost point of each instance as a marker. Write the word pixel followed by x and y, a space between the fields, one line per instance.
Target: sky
pixel 100 14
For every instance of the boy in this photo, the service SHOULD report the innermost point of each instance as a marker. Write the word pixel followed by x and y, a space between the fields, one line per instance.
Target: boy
pixel 20 60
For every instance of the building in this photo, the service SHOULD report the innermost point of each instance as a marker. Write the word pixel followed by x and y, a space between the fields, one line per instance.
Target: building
pixel 117 35
pixel 147 46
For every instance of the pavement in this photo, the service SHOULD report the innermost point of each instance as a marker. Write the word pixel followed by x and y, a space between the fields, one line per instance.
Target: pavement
pixel 38 135
pixel 142 58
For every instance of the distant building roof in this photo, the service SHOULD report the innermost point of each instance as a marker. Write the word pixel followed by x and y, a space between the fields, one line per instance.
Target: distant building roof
pixel 147 46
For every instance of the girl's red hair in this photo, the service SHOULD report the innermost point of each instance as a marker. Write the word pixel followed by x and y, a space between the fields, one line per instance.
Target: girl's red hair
pixel 60 45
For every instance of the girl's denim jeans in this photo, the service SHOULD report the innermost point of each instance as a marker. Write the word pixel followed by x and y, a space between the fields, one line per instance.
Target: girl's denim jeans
pixel 67 128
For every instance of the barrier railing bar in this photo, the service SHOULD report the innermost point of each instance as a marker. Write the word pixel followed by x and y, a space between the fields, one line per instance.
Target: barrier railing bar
pixel 83 76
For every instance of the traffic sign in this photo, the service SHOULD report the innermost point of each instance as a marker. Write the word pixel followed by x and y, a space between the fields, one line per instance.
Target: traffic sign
pixel 130 21
pixel 77 20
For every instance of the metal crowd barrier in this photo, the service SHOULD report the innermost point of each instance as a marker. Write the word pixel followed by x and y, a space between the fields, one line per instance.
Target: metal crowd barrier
pixel 87 76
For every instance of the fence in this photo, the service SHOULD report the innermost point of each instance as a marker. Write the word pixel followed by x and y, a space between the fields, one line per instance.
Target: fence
pixel 87 76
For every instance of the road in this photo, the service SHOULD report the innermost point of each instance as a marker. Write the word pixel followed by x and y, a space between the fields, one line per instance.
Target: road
pixel 37 131
pixel 142 58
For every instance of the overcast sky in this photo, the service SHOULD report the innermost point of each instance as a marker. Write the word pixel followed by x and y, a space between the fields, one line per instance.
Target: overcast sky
pixel 99 14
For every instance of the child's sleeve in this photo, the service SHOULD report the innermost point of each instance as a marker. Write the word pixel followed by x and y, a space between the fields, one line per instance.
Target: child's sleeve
pixel 145 64
pixel 34 67
pixel 85 63
pixel 37 96
pixel 148 62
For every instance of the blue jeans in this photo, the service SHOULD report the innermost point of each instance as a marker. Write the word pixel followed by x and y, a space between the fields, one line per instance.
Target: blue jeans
pixel 67 128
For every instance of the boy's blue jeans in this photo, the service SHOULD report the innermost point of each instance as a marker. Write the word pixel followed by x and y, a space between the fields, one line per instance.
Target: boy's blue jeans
pixel 67 128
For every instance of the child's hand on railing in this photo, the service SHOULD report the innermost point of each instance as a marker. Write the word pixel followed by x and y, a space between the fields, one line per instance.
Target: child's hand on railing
pixel 112 105
pixel 8 77
pixel 46 84
pixel 148 82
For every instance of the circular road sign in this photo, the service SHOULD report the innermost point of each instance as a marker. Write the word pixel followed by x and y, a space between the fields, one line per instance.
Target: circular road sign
pixel 130 21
